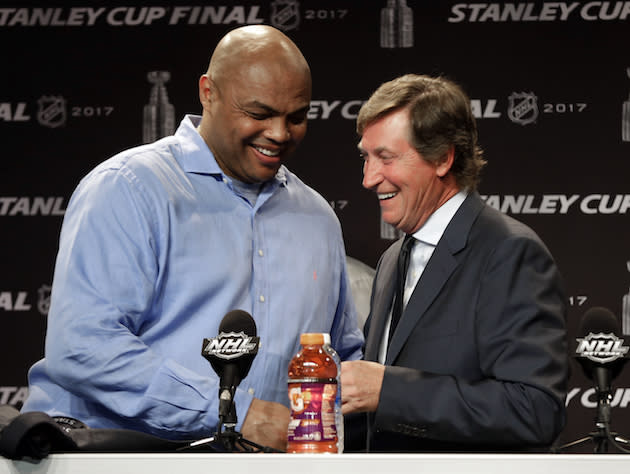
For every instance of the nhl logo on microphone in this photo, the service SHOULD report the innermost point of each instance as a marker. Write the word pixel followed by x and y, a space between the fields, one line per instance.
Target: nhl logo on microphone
pixel 601 348
pixel 230 345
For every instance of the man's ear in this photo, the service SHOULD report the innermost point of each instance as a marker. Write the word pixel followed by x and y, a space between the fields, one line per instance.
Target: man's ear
pixel 205 90
pixel 446 162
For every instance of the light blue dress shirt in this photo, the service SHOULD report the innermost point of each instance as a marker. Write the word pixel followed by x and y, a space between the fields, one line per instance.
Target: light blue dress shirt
pixel 156 247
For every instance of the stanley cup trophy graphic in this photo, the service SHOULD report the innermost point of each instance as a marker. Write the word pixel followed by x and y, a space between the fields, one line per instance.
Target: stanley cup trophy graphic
pixel 396 25
pixel 159 114
pixel 625 117
pixel 625 311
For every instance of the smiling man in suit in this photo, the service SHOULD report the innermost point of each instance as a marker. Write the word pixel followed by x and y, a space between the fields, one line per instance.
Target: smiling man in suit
pixel 473 355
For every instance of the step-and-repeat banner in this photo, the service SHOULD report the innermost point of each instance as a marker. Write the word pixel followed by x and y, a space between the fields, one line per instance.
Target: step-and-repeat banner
pixel 549 84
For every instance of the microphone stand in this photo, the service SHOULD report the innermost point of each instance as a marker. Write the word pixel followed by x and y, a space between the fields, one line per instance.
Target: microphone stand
pixel 231 441
pixel 233 344
pixel 231 438
pixel 602 436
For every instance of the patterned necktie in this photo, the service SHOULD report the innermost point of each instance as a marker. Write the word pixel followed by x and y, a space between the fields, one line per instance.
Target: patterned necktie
pixel 403 264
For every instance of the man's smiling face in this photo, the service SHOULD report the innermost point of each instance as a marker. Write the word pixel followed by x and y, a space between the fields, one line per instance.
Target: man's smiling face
pixel 408 187
pixel 258 119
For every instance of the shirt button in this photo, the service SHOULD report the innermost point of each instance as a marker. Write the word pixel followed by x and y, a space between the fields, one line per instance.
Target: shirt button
pixel 251 391
pixel 260 252
pixel 262 299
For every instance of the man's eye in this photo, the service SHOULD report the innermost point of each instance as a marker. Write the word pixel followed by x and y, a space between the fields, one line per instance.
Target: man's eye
pixel 258 115
pixel 297 119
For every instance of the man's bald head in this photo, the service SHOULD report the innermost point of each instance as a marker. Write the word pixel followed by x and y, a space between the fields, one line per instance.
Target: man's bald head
pixel 253 44
pixel 255 97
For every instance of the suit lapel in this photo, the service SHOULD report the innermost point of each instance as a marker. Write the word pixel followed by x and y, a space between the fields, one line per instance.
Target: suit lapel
pixel 437 272
pixel 384 286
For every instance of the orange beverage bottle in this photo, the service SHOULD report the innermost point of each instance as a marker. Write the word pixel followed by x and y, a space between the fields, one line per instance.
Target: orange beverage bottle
pixel 312 393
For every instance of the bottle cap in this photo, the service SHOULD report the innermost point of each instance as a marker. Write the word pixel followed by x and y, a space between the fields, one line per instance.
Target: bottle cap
pixel 308 338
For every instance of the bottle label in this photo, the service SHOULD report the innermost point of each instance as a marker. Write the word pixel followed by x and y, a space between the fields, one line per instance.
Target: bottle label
pixel 312 411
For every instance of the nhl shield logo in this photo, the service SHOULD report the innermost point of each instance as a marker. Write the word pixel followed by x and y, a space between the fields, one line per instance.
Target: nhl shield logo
pixel 43 302
pixel 601 348
pixel 51 111
pixel 285 14
pixel 523 107
pixel 230 345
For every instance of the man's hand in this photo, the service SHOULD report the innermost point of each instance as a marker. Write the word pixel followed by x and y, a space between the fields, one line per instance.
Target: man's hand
pixel 361 383
pixel 267 423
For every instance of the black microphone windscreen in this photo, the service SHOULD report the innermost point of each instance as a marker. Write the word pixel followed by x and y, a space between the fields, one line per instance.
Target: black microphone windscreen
pixel 238 320
pixel 599 320
pixel 236 344
pixel 600 343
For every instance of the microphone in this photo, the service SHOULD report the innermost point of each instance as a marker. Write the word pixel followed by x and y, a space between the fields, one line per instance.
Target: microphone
pixel 601 353
pixel 231 354
pixel 599 350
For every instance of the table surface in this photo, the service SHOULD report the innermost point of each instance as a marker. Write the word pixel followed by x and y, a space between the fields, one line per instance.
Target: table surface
pixel 265 463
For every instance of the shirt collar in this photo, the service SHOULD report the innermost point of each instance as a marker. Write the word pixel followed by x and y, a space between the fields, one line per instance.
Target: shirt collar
pixel 197 156
pixel 432 230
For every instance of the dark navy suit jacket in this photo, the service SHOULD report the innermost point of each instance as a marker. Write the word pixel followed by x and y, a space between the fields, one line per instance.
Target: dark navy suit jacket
pixel 479 359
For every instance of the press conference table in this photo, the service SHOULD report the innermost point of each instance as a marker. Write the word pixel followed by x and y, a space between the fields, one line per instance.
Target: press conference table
pixel 85 463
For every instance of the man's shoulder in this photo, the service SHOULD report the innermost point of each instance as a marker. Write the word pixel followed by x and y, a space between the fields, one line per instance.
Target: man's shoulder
pixel 147 156
pixel 140 161
pixel 498 223
pixel 493 229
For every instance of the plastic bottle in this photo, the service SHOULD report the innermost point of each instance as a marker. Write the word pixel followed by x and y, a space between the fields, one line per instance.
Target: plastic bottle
pixel 338 414
pixel 312 394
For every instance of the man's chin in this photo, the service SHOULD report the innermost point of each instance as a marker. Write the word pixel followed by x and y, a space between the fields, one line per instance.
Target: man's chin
pixel 398 226
pixel 264 174
pixel 389 219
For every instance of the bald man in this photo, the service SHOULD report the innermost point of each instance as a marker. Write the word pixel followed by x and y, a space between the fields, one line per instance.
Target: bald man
pixel 160 241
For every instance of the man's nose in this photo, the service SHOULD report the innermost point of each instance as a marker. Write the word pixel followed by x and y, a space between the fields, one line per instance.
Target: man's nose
pixel 278 130
pixel 371 173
